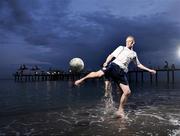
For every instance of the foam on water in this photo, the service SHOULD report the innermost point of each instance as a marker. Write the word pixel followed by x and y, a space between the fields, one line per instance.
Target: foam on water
pixel 175 133
pixel 174 119
pixel 151 115
pixel 94 118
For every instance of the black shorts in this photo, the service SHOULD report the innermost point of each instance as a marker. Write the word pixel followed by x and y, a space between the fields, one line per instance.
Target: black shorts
pixel 115 73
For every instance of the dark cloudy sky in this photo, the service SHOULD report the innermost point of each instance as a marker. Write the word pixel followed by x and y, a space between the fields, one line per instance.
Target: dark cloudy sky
pixel 50 33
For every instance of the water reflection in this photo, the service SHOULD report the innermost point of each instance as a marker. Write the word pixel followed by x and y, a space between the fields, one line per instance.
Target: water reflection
pixel 57 108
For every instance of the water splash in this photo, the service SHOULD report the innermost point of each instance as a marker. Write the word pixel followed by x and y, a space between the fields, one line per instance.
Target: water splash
pixel 109 105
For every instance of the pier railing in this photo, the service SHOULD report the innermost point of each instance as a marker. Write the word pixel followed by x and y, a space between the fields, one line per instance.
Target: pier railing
pixel 133 76
pixel 169 76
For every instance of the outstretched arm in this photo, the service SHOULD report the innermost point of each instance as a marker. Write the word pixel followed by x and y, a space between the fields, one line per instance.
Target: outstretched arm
pixel 139 65
pixel 108 59
pixel 147 69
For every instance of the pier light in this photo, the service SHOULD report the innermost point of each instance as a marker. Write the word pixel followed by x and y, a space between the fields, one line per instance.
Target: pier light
pixel 48 73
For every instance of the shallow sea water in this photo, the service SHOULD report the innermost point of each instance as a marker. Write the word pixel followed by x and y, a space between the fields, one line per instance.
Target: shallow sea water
pixel 59 108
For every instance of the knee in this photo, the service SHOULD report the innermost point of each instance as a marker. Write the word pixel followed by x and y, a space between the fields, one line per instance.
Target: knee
pixel 127 92
pixel 99 73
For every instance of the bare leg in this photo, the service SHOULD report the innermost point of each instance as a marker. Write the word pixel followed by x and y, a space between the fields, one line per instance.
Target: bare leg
pixel 99 73
pixel 108 88
pixel 126 92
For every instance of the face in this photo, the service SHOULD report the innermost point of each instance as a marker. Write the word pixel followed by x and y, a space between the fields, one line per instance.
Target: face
pixel 130 42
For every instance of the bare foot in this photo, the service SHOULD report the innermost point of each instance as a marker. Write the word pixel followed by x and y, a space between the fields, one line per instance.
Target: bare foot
pixel 120 114
pixel 77 82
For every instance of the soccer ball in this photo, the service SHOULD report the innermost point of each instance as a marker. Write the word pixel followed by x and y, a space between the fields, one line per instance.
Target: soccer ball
pixel 76 65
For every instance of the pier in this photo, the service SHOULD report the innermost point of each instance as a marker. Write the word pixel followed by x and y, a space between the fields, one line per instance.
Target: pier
pixel 48 77
pixel 139 76
pixel 133 76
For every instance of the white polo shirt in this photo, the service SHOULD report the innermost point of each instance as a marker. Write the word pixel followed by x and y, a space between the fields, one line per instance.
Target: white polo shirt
pixel 123 56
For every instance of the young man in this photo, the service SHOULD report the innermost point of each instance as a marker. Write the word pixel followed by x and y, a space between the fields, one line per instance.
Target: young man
pixel 117 70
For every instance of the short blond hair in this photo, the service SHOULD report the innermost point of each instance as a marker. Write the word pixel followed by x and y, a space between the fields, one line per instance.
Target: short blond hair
pixel 132 37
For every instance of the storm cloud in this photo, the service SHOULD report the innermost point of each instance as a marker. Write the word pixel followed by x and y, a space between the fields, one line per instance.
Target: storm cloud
pixel 53 32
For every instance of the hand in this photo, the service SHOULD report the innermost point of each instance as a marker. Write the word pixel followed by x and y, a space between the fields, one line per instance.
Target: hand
pixel 152 71
pixel 104 68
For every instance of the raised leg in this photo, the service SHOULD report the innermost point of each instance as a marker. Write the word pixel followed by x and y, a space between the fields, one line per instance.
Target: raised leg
pixel 96 74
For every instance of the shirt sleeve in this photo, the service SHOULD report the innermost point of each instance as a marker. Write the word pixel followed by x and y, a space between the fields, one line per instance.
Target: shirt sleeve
pixel 116 51
pixel 136 60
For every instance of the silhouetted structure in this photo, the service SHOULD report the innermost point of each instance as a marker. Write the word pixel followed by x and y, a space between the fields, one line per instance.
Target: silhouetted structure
pixel 133 76
pixel 173 66
pixel 166 66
